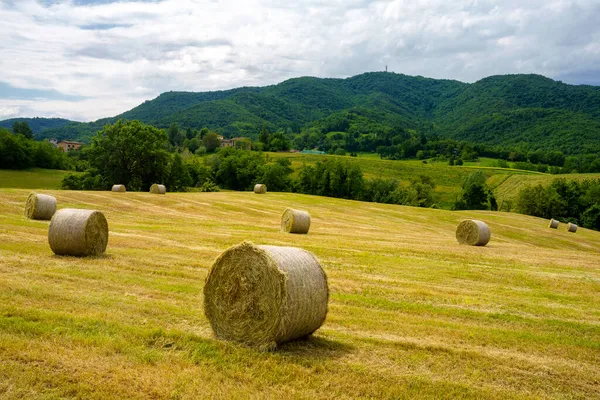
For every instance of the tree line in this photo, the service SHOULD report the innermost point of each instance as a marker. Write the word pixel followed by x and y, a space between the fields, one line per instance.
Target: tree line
pixel 566 201
pixel 18 150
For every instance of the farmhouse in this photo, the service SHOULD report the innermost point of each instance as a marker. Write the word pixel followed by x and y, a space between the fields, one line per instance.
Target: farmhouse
pixel 67 145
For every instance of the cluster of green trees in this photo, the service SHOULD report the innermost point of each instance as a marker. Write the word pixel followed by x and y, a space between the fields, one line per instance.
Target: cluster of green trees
pixel 18 150
pixel 475 194
pixel 129 153
pixel 567 201
pixel 271 141
pixel 196 141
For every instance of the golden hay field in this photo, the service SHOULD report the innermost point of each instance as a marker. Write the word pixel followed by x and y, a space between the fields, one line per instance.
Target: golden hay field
pixel 411 315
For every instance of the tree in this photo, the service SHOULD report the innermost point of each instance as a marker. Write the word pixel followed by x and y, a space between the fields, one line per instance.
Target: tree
pixel 176 137
pixel 475 195
pixel 263 137
pixel 179 177
pixel 22 128
pixel 211 141
pixel 130 153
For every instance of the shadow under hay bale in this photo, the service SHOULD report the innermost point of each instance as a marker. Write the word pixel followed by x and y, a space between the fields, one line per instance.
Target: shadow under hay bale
pixel 260 188
pixel 40 206
pixel 75 232
pixel 571 227
pixel 473 233
pixel 295 221
pixel 158 189
pixel 262 296
pixel 553 224
pixel 119 188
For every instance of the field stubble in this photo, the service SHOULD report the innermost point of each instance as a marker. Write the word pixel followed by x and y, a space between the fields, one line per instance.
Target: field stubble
pixel 411 313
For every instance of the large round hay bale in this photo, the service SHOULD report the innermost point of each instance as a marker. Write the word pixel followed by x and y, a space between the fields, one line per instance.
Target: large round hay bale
pixel 295 221
pixel 572 227
pixel 473 232
pixel 75 232
pixel 260 188
pixel 119 188
pixel 158 189
pixel 553 224
pixel 40 206
pixel 262 296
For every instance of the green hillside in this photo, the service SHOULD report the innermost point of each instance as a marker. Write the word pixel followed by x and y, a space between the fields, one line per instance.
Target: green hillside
pixel 37 125
pixel 520 111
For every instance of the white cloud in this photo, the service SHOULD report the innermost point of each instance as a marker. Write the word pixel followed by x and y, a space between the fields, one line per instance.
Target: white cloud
pixel 116 55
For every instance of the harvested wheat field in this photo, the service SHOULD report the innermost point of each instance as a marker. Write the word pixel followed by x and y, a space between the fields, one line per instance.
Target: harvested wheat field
pixel 412 314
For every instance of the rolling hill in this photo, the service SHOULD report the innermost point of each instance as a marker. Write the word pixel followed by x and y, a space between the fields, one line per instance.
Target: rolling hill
pixel 528 111
pixel 37 125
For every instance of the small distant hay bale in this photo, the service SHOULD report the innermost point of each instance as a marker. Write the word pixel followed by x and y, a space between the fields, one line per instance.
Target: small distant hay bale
pixel 40 206
pixel 75 232
pixel 473 232
pixel 553 224
pixel 262 296
pixel 119 188
pixel 158 189
pixel 295 221
pixel 260 188
pixel 572 227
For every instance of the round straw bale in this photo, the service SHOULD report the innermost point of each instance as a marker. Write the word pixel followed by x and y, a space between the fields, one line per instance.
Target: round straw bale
pixel 553 224
pixel 119 188
pixel 295 221
pixel 40 206
pixel 75 232
pixel 263 296
pixel 260 188
pixel 473 232
pixel 158 189
pixel 572 227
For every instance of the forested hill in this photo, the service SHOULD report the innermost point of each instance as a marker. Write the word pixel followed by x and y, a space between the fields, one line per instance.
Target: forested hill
pixel 37 125
pixel 528 111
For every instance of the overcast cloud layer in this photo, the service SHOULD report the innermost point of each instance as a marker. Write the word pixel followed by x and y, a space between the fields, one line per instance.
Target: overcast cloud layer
pixel 86 59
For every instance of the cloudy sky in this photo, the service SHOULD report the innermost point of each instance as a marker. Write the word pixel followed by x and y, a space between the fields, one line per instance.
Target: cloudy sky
pixel 87 59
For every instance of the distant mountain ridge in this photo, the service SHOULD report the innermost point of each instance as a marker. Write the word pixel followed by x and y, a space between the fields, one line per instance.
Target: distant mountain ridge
pixel 512 110
pixel 37 125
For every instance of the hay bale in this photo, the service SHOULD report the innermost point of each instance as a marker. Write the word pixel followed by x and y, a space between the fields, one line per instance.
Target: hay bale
pixel 473 232
pixel 40 206
pixel 260 188
pixel 553 224
pixel 263 296
pixel 118 188
pixel 572 227
pixel 158 189
pixel 75 232
pixel 295 221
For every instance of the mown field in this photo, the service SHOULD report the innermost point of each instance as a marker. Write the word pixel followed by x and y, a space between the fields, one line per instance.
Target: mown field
pixel 412 314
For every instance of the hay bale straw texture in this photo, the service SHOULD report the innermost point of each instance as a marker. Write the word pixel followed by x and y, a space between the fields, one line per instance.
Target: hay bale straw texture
pixel 473 232
pixel 119 188
pixel 263 296
pixel 75 232
pixel 553 224
pixel 260 188
pixel 572 228
pixel 40 206
pixel 158 189
pixel 295 221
